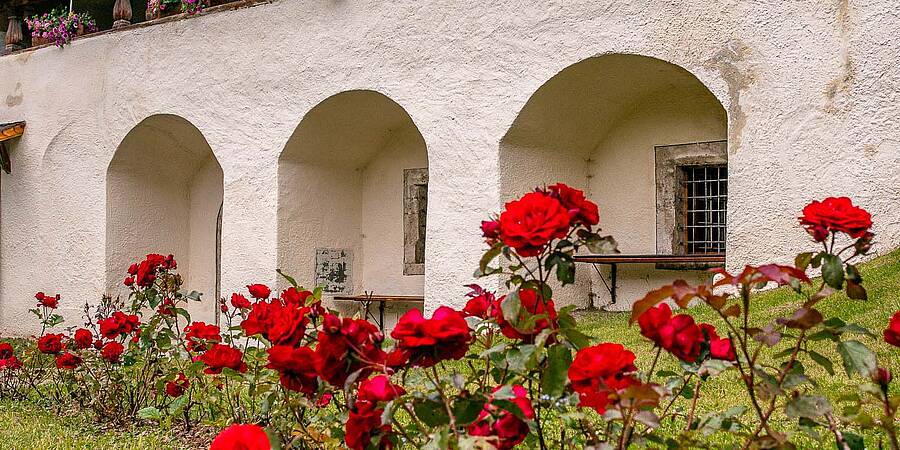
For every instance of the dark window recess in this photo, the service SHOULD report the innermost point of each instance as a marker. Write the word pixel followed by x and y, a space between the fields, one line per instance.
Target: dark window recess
pixel 705 198
pixel 415 207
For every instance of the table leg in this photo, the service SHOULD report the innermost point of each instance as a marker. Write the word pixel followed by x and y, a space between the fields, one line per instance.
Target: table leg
pixel 381 315
pixel 613 268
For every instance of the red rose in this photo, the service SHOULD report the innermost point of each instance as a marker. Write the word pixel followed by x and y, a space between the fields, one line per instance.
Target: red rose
pixel 67 361
pixel 324 400
pixel 835 214
pixel 378 389
pixel 346 346
pixel 221 356
pixel 530 223
pixel 47 301
pixel 296 368
pixel 678 335
pixel 178 387
pixel 892 332
pixel 481 302
pixel 364 425
pixel 6 350
pixel 291 296
pixel 428 341
pixel 280 324
pixel 239 301
pixel 128 281
pixel 490 229
pixel 259 291
pixel 600 371
pixel 50 344
pixel 198 334
pixel 508 429
pixel 652 320
pixel 133 269
pixel 11 363
pixel 167 308
pixel 112 351
pixel 83 338
pixel 241 437
pixel 531 305
pixel 118 324
pixel 581 210
pixel 718 348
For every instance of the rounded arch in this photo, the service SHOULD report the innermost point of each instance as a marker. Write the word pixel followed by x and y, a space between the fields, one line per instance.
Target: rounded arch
pixel 352 181
pixel 164 190
pixel 607 125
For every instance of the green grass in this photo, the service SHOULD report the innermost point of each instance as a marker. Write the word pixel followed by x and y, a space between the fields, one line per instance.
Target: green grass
pixel 26 426
pixel 881 277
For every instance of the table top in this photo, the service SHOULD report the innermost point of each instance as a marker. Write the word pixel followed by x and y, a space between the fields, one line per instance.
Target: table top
pixel 718 258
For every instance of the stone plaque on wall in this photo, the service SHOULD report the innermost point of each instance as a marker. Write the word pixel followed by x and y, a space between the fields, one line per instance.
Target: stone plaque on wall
pixel 333 269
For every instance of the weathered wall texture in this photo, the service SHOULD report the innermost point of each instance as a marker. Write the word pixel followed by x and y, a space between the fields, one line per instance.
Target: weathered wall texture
pixel 809 89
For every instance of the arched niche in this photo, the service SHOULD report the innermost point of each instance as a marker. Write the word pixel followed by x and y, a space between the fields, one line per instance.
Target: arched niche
pixel 607 125
pixel 164 192
pixel 352 196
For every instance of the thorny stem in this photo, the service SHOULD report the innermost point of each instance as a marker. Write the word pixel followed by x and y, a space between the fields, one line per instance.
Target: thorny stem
pixel 445 400
pixel 690 418
pixel 838 436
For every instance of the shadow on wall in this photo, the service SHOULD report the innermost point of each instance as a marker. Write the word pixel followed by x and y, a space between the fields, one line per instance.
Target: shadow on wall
pixel 594 126
pixel 350 211
pixel 164 190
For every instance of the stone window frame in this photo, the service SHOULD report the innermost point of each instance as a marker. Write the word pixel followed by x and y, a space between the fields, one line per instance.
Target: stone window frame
pixel 415 210
pixel 669 177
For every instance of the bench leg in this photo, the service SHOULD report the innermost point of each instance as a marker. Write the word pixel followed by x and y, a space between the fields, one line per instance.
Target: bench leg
pixel 612 281
pixel 381 315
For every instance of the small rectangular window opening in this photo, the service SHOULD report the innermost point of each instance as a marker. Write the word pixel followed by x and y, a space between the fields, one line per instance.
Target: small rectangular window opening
pixel 705 195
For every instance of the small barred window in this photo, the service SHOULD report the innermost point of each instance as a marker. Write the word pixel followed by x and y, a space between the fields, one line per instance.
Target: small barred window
pixel 705 197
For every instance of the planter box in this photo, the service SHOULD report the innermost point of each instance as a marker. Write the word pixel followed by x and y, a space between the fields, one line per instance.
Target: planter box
pixel 38 41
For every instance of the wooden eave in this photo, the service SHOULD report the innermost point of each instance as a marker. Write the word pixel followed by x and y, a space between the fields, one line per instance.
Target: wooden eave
pixel 11 130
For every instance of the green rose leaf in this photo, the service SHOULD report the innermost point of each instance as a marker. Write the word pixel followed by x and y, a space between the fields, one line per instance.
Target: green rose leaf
pixel 559 358
pixel 857 358
pixel 833 271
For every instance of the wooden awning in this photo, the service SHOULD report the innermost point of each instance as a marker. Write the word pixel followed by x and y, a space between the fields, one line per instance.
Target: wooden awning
pixel 8 131
pixel 11 130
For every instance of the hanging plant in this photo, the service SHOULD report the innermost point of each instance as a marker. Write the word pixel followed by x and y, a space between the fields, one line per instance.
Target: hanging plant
pixel 163 8
pixel 59 27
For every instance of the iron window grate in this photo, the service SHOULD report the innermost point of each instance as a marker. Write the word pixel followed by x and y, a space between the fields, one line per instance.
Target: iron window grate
pixel 706 195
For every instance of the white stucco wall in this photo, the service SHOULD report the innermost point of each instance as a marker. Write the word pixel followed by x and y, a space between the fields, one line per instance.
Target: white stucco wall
pixel 803 83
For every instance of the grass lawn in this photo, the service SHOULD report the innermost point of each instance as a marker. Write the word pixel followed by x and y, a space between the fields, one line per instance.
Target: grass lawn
pixel 25 425
pixel 881 277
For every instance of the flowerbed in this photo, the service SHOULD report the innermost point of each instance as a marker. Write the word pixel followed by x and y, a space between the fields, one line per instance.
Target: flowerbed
pixel 506 370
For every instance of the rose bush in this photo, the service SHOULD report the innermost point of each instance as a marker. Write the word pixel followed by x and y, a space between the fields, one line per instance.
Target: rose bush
pixel 509 369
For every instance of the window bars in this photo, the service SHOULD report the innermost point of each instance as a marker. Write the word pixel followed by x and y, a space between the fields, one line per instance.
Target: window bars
pixel 706 194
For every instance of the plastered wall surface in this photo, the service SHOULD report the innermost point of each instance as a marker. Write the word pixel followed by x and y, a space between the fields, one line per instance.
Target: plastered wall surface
pixel 809 89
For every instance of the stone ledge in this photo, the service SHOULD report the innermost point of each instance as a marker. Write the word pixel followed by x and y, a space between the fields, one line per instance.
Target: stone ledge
pixel 239 4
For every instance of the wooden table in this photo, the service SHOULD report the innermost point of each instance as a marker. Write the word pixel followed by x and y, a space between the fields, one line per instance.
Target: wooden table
pixel 613 260
pixel 368 299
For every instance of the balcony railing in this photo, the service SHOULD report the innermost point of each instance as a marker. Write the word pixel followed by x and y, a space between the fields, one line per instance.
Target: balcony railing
pixel 17 36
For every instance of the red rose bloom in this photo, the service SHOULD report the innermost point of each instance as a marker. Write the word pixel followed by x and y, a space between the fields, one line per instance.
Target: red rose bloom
pixel 678 335
pixel 241 437
pixel 600 371
pixel 533 306
pixel 428 341
pixel 718 348
pixel 346 346
pixel 112 351
pixel 378 389
pixel 291 296
pixel 47 301
pixel 198 334
pixel 530 223
pixel 892 332
pixel 6 350
pixel 581 210
pixel 67 361
pixel 178 387
pixel 83 338
pixel 364 425
pixel 118 324
pixel 280 324
pixel 259 291
pixel 490 229
pixel 50 344
pixel 835 214
pixel 239 301
pixel 128 281
pixel 220 356
pixel 481 302
pixel 508 429
pixel 296 368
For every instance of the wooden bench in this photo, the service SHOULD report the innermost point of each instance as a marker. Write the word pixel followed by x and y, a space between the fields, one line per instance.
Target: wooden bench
pixel 368 298
pixel 613 260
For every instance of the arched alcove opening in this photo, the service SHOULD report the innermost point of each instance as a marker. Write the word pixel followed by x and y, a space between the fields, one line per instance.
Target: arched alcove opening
pixel 628 130
pixel 352 198
pixel 164 191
